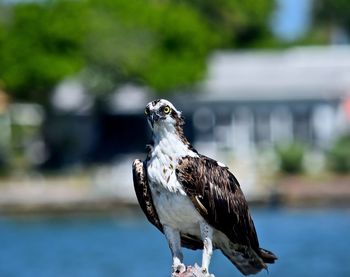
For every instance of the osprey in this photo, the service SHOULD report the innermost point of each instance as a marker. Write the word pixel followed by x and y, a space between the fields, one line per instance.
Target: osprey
pixel 194 200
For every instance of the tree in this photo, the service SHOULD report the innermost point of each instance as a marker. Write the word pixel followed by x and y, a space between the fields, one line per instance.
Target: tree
pixel 165 46
pixel 160 44
pixel 39 46
pixel 330 14
pixel 242 23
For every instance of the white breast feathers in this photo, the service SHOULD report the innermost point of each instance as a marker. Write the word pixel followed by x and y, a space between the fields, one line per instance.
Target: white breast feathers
pixel 168 149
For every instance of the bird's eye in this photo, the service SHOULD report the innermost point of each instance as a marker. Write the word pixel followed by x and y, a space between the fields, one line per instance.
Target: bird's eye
pixel 166 109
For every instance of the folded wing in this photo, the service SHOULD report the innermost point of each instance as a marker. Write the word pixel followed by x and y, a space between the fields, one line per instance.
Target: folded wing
pixel 216 194
pixel 144 197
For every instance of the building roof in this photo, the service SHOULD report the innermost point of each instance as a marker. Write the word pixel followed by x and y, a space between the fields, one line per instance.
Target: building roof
pixel 293 74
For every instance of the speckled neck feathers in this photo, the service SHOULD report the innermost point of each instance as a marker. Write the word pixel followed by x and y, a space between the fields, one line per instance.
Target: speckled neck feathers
pixel 171 141
pixel 169 145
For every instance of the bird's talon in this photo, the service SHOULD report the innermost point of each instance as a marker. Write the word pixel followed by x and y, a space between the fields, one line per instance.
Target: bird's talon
pixel 205 271
pixel 180 268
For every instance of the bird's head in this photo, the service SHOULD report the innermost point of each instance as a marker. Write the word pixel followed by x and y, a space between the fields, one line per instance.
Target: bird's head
pixel 162 114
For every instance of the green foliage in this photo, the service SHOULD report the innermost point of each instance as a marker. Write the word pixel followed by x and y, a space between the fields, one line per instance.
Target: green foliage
pixel 329 16
pixel 164 47
pixel 241 23
pixel 335 12
pixel 290 157
pixel 160 44
pixel 39 46
pixel 339 155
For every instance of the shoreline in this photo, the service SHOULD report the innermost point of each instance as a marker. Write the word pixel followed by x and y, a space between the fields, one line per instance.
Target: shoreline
pixel 67 197
pixel 117 207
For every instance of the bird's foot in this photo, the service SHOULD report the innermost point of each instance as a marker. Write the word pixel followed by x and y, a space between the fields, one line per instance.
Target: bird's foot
pixel 207 274
pixel 204 271
pixel 190 271
pixel 178 269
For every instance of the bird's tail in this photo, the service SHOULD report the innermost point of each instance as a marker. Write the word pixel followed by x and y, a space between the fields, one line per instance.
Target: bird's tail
pixel 247 260
pixel 267 256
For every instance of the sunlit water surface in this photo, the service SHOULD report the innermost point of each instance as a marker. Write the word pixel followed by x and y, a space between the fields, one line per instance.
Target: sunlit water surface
pixel 307 242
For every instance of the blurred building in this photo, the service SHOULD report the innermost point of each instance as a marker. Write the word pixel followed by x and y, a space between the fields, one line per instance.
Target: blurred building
pixel 252 100
pixel 249 101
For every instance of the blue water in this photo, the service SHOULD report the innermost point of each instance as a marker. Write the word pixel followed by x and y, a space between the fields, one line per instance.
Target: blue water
pixel 308 243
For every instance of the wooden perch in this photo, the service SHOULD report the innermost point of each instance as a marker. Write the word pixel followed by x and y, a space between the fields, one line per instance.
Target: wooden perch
pixel 192 271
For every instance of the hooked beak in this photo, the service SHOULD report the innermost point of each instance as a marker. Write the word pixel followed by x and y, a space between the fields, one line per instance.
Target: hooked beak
pixel 153 118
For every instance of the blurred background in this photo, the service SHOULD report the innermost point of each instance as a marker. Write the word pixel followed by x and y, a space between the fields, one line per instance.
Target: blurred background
pixel 264 87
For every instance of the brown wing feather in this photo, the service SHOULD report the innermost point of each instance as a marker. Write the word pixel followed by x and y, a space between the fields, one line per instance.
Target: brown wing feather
pixel 216 194
pixel 143 193
pixel 144 197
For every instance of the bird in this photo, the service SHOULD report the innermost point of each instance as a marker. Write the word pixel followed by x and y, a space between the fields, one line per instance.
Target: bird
pixel 195 201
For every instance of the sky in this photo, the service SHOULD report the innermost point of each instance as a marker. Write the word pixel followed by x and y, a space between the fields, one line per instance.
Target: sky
pixel 291 19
